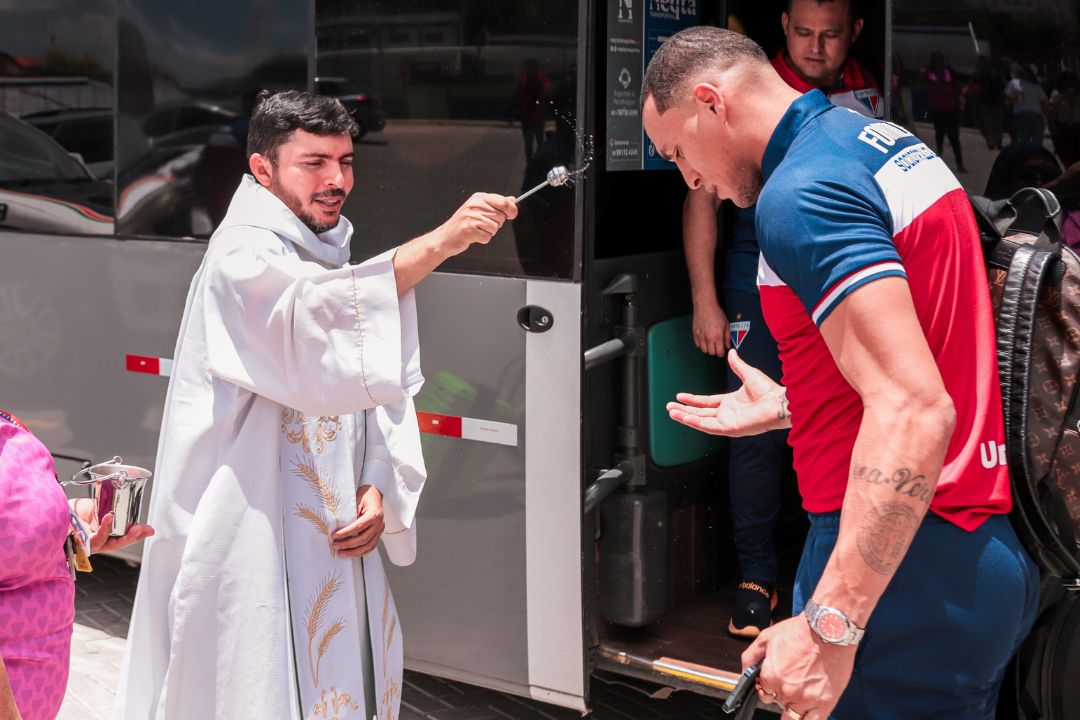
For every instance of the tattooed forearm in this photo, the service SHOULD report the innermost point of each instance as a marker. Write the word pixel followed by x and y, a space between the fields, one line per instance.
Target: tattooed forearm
pixel 884 535
pixel 903 481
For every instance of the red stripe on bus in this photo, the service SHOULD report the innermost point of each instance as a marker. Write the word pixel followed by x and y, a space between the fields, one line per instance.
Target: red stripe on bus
pixel 142 364
pixel 447 425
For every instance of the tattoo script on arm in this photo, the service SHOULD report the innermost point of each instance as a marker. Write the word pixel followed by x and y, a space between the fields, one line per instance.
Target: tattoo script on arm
pixel 903 481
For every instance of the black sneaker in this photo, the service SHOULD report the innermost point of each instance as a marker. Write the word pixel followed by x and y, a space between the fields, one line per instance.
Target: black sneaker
pixel 754 603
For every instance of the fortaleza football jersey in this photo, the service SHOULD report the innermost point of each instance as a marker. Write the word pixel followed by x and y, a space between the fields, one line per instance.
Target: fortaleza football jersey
pixel 855 88
pixel 849 200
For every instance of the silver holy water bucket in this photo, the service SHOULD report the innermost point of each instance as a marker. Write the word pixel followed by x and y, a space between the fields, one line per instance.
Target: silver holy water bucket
pixel 115 488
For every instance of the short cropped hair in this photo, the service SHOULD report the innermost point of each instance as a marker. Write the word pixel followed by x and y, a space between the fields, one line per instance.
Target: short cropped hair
pixel 688 54
pixel 277 115
pixel 855 9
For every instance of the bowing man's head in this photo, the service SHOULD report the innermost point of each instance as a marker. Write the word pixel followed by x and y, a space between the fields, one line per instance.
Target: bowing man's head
pixel 300 148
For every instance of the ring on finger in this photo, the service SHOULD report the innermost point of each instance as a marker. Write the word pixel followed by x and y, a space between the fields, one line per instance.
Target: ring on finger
pixel 792 713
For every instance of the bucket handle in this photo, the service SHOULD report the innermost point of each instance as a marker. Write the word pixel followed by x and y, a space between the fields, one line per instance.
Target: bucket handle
pixel 116 460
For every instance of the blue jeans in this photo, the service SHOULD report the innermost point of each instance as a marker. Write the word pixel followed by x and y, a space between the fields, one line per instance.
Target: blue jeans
pixel 954 614
pixel 757 465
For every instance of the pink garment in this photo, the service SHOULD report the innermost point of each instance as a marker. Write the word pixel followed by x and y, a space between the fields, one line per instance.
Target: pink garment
pixel 942 93
pixel 1070 229
pixel 37 594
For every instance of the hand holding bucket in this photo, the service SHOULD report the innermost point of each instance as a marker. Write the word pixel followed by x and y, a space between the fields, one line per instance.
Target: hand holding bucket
pixel 115 488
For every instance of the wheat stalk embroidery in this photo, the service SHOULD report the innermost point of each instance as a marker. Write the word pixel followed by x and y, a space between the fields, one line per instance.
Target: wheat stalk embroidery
pixel 315 617
pixel 389 627
pixel 328 497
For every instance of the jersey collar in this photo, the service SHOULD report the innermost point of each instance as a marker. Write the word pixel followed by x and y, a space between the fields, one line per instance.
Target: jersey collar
pixel 803 110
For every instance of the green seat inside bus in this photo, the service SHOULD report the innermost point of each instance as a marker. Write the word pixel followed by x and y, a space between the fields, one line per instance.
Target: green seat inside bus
pixel 676 365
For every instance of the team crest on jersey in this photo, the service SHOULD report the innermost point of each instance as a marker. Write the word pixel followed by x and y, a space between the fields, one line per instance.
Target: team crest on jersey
pixel 739 331
pixel 870 98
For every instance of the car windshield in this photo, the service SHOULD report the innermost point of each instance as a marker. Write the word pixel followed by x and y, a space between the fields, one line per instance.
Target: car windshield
pixel 27 154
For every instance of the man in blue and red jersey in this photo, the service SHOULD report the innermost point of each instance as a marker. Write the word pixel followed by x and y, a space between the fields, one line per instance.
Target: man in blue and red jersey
pixel 818 38
pixel 872 281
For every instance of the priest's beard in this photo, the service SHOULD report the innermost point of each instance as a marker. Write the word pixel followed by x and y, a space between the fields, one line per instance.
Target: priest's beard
pixel 294 203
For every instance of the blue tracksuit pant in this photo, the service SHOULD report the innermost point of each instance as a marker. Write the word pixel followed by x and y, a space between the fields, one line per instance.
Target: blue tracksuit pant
pixel 938 641
pixel 758 464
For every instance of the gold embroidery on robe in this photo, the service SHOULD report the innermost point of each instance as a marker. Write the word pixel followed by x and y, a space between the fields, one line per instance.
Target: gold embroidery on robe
pixel 330 708
pixel 314 619
pixel 328 498
pixel 389 627
pixel 326 429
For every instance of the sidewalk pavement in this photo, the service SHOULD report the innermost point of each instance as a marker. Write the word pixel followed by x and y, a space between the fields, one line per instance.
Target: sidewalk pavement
pixel 103 602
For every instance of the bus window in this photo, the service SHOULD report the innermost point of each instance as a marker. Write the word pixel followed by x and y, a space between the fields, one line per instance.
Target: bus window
pixel 56 123
pixel 991 87
pixel 187 78
pixel 477 97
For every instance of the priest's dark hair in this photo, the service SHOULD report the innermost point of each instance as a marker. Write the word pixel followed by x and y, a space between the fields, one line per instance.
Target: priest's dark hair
pixel 277 115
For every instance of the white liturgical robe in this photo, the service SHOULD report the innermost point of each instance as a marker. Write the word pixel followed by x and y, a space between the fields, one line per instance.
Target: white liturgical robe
pixel 292 384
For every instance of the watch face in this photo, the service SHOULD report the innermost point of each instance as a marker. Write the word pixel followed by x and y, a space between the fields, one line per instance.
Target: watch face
pixel 832 626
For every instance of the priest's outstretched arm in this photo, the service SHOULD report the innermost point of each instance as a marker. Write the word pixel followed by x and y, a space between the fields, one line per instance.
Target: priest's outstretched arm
pixel 476 221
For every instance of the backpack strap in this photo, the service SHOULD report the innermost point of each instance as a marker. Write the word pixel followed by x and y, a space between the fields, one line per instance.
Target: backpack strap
pixel 1029 269
pixel 1037 212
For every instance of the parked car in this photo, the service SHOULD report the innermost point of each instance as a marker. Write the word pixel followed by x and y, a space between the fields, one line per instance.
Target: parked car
pixel 184 123
pixel 86 131
pixel 45 188
pixel 366 109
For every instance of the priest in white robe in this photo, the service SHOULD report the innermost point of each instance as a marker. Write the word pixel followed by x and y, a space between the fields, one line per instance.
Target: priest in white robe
pixel 289 448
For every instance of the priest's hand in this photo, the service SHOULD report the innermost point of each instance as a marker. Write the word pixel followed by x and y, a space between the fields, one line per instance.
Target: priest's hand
pixel 360 537
pixel 99 532
pixel 477 221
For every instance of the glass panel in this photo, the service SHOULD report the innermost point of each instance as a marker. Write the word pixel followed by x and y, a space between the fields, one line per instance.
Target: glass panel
pixel 456 80
pixel 991 85
pixel 56 120
pixel 188 76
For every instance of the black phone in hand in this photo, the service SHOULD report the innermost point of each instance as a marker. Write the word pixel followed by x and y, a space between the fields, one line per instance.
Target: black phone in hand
pixel 742 690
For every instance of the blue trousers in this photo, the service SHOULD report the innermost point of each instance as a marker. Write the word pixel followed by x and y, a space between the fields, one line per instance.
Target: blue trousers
pixel 757 465
pixel 954 614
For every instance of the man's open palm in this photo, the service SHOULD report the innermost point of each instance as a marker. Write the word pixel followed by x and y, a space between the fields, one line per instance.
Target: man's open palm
pixel 758 406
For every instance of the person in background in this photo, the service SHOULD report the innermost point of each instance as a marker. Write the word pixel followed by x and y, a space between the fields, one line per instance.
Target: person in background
pixel 943 101
pixel 1064 117
pixel 899 109
pixel 532 89
pixel 1028 164
pixel 988 86
pixel 817 54
pixel 1027 100
pixel 37 586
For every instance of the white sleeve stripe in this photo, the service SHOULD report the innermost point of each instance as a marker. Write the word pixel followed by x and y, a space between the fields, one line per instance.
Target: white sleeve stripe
pixel 834 296
pixel 912 181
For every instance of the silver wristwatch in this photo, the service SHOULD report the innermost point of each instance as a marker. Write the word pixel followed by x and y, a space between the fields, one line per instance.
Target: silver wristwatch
pixel 831 625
